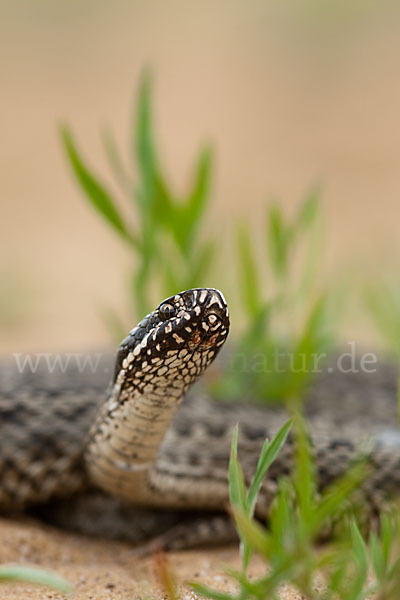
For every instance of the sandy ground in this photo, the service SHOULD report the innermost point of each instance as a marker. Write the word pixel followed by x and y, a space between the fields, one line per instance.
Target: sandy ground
pixel 108 571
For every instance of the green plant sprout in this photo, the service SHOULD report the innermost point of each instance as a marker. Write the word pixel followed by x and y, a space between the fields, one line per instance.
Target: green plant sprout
pixel 351 569
pixel 164 236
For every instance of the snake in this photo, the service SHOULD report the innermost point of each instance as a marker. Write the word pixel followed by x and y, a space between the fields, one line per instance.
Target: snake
pixel 154 446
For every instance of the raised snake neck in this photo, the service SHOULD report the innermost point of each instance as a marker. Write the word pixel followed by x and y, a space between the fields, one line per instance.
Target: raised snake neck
pixel 156 364
pixel 135 451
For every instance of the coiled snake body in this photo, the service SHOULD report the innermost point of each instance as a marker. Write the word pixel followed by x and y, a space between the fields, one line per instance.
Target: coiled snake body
pixel 60 439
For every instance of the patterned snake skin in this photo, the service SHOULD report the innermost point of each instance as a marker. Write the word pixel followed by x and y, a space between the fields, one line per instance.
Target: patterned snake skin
pixel 62 434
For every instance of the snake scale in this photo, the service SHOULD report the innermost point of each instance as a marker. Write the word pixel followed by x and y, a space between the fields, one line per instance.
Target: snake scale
pixel 65 442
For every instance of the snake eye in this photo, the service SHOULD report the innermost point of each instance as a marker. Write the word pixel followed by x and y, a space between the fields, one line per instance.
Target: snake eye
pixel 167 311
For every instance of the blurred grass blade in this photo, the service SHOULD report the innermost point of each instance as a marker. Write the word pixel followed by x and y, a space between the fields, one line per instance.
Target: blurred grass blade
pixel 267 456
pixel 254 337
pixel 336 494
pixel 252 533
pixel 387 527
pixel 383 303
pixel 198 196
pixel 314 342
pixel 377 557
pixel 115 162
pixel 155 199
pixel 249 279
pixel 278 240
pixel 360 556
pixel 304 470
pixel 95 191
pixel 308 211
pixel 144 146
pixel 316 326
pixel 281 521
pixel 162 203
pixel 193 209
pixel 237 490
pixel 200 264
pixel 34 575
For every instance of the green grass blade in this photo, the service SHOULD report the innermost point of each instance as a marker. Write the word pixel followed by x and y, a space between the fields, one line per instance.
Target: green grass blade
pixel 95 191
pixel 339 565
pixel 155 199
pixel 389 531
pixel 315 340
pixel 278 241
pixel 252 533
pixel 360 556
pixel 198 196
pixel 377 557
pixel 249 279
pixel 335 495
pixel 193 209
pixel 304 471
pixel 282 515
pixel 308 211
pixel 237 490
pixel 200 264
pixel 115 162
pixel 383 303
pixel 143 142
pixel 313 239
pixel 162 203
pixel 267 456
pixel 34 575
pixel 359 545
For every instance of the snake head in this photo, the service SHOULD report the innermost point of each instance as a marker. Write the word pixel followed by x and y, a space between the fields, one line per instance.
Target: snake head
pixel 201 317
pixel 188 327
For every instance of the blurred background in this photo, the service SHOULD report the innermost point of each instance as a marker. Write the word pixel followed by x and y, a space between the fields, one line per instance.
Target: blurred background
pixel 289 94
